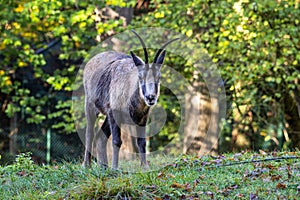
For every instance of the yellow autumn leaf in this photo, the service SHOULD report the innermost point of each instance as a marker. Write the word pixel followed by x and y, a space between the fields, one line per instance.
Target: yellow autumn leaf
pixel 264 134
pixel 20 8
pixel 159 15
pixel 16 25
pixel 8 82
pixel 226 33
pixel 100 30
pixel 40 28
pixel 82 25
pixel 17 43
pixel 189 33
pixel 77 44
pixel 225 22
pixel 2 46
pixel 22 64
pixel 61 19
pixel 295 62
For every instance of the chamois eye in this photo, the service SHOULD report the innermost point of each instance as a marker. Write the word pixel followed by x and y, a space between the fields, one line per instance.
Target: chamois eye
pixel 142 76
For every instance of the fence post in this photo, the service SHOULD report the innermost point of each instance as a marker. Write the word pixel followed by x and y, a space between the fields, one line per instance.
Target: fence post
pixel 48 154
pixel 13 135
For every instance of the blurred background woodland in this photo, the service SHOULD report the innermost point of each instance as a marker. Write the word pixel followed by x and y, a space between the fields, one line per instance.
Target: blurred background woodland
pixel 255 45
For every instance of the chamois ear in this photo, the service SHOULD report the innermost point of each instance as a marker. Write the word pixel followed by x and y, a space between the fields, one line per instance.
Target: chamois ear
pixel 137 61
pixel 161 58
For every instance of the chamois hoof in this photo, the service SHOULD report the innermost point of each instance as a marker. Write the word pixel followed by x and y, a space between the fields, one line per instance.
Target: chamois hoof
pixel 85 165
pixel 145 166
pixel 102 165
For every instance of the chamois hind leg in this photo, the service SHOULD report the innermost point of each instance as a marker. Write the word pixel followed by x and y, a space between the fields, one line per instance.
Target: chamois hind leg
pixel 103 135
pixel 89 135
pixel 116 138
pixel 141 141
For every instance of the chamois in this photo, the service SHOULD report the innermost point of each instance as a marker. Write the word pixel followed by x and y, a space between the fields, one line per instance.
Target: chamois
pixel 123 88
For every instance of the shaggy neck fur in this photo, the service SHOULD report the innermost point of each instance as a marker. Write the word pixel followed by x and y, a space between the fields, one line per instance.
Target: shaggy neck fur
pixel 138 109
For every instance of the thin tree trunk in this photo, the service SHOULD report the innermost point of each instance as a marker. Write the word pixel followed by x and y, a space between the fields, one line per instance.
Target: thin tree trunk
pixel 205 139
pixel 210 143
pixel 193 135
pixel 292 112
pixel 13 135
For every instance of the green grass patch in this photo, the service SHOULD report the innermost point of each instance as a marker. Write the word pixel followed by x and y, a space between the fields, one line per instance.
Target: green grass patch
pixel 244 175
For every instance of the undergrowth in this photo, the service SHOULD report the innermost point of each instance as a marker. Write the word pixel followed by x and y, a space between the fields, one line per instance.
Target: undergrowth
pixel 245 175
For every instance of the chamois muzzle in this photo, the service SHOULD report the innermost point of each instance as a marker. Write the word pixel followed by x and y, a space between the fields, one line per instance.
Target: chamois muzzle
pixel 150 99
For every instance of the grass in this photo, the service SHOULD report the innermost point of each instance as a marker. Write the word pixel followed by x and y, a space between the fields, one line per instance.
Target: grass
pixel 244 175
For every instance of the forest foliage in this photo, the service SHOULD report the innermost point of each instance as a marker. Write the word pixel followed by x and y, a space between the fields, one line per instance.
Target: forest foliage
pixel 254 44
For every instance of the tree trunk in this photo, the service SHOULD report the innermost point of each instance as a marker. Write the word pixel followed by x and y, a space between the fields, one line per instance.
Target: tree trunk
pixel 210 143
pixel 292 111
pixel 205 140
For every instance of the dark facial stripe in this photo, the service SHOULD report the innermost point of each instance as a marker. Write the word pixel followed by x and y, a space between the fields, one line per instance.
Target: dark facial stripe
pixel 144 89
pixel 156 87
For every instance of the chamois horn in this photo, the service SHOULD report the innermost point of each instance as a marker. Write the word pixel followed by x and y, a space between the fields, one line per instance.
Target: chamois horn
pixel 162 48
pixel 144 46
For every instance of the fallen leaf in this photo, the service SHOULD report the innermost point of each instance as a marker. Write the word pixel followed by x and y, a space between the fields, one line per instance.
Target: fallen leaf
pixel 56 167
pixel 188 187
pixel 274 153
pixel 160 174
pixel 217 161
pixel 195 182
pixel 177 185
pixel 270 166
pixel 209 193
pixel 237 155
pixel 202 176
pixel 166 197
pixel 281 186
pixel 262 152
pixel 253 196
pixel 289 172
pixel 276 178
pixel 170 176
pixel 152 187
pixel 22 173
pixel 233 187
pixel 240 195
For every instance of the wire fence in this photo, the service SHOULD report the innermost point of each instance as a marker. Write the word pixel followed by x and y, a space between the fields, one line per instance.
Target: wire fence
pixel 46 145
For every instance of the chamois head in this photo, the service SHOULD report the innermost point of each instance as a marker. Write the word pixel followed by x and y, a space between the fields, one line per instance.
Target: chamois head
pixel 149 74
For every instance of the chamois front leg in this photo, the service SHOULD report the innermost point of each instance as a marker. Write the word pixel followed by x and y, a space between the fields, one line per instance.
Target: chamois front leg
pixel 116 139
pixel 101 142
pixel 89 136
pixel 141 141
